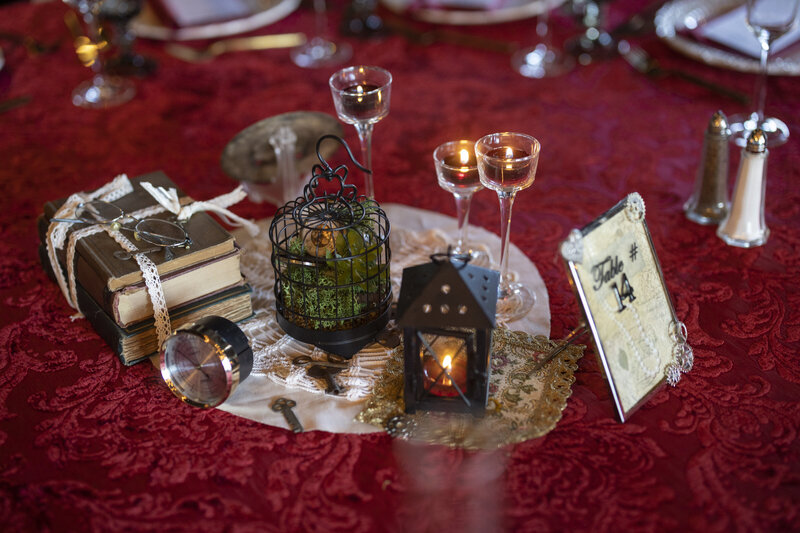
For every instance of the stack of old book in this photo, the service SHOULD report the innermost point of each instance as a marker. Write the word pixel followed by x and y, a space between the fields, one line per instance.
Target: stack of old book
pixel 204 279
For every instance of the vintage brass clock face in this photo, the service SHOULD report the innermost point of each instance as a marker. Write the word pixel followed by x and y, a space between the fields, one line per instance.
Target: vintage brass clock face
pixel 203 362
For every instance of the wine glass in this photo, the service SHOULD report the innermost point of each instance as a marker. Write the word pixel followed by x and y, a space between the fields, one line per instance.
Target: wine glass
pixel 319 51
pixel 119 13
pixel 542 60
pixel 457 172
pixel 595 43
pixel 102 90
pixel 507 164
pixel 361 96
pixel 768 20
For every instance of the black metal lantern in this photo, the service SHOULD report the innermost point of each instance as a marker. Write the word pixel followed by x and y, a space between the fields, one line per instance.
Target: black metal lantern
pixel 447 311
pixel 330 253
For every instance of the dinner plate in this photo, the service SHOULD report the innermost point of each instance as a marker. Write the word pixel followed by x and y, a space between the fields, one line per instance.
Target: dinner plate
pixel 264 12
pixel 678 20
pixel 471 12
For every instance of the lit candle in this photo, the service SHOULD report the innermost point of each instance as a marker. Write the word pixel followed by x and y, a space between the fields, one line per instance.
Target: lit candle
pixel 507 168
pixel 362 101
pixel 447 368
pixel 457 168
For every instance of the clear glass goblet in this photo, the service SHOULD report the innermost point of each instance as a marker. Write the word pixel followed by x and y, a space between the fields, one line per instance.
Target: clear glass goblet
pixel 361 96
pixel 319 51
pixel 457 173
pixel 768 20
pixel 595 43
pixel 126 62
pixel 507 164
pixel 542 60
pixel 102 90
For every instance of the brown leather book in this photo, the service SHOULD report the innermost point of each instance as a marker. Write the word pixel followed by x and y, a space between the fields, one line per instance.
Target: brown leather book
pixel 132 304
pixel 209 240
pixel 136 343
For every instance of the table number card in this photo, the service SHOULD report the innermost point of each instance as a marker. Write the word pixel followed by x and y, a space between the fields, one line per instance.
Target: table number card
pixel 616 276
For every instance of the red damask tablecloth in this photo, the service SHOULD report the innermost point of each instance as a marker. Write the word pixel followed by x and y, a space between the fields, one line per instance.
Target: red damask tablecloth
pixel 87 444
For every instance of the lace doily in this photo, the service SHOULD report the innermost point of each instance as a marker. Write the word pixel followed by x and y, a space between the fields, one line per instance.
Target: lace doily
pixel 525 398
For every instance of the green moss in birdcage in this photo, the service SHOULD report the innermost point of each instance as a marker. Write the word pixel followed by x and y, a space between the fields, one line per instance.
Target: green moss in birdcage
pixel 344 284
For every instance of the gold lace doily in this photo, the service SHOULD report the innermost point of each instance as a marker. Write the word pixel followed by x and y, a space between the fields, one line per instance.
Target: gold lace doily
pixel 525 402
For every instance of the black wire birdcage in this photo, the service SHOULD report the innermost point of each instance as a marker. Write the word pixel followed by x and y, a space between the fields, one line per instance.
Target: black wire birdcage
pixel 330 253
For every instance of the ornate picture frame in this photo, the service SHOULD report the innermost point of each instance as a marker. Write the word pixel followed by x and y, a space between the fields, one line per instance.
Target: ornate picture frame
pixel 615 274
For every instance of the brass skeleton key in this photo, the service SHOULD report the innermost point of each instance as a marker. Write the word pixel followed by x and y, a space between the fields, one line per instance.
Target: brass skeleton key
pixel 284 406
pixel 327 373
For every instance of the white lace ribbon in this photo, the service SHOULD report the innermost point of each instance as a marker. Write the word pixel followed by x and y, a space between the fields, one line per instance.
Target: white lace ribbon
pixel 57 231
pixel 169 199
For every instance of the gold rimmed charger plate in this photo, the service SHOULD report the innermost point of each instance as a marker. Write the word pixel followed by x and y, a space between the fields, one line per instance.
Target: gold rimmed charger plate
pixel 262 13
pixel 471 12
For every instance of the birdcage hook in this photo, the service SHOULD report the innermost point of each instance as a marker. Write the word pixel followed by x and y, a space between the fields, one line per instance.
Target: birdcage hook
pixel 324 170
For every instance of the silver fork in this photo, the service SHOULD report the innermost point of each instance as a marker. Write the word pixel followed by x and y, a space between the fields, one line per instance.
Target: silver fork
pixel 642 62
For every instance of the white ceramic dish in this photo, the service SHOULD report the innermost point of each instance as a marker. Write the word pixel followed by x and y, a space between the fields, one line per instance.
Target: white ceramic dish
pixel 264 12
pixel 471 13
pixel 677 19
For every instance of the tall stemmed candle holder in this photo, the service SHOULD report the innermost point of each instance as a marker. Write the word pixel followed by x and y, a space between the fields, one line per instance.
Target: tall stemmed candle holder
pixel 361 96
pixel 768 20
pixel 319 51
pixel 102 90
pixel 542 60
pixel 457 172
pixel 507 164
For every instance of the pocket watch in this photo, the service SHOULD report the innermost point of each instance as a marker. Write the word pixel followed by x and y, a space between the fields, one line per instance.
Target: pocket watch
pixel 203 362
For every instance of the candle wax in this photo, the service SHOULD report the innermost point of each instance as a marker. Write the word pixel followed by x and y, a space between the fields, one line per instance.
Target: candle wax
pixel 502 171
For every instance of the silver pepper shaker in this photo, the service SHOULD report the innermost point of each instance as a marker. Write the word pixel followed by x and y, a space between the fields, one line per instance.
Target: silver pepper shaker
pixel 744 226
pixel 709 202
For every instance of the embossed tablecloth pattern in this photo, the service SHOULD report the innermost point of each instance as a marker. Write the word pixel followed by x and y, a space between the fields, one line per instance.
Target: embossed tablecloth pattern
pixel 86 444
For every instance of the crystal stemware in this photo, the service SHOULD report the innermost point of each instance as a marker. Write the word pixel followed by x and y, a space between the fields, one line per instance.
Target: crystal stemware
pixel 768 20
pixel 127 62
pixel 361 96
pixel 595 43
pixel 102 90
pixel 542 60
pixel 319 51
pixel 457 173
pixel 507 164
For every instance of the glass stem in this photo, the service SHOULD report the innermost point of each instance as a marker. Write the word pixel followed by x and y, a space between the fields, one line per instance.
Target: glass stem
pixel 760 96
pixel 542 30
pixel 506 203
pixel 320 18
pixel 463 202
pixel 365 138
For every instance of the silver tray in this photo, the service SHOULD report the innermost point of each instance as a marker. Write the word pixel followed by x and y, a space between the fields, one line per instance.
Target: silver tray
pixel 678 17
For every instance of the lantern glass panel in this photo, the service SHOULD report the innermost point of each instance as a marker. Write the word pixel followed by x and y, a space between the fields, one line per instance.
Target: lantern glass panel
pixel 444 364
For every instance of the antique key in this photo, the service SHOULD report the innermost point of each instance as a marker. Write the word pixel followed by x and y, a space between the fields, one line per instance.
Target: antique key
pixel 284 405
pixel 319 371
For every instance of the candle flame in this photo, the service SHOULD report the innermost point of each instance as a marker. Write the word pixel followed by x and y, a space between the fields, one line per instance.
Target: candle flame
pixel 509 155
pixel 447 364
pixel 464 155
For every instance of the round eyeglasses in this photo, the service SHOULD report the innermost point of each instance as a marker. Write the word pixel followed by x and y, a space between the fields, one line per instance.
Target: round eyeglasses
pixel 162 234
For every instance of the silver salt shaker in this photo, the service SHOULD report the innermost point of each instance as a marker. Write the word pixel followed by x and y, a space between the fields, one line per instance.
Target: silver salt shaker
pixel 709 202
